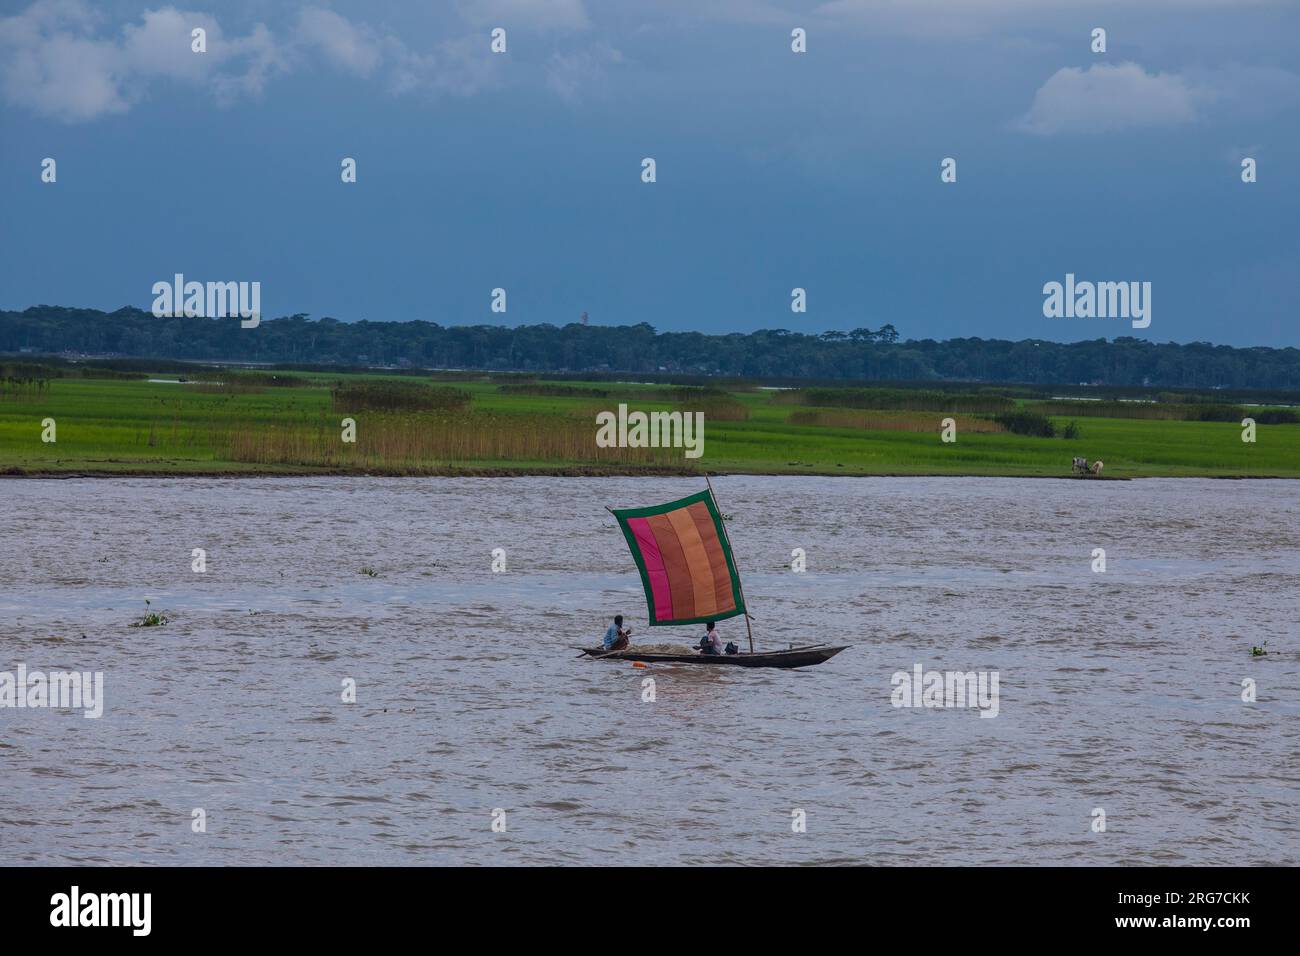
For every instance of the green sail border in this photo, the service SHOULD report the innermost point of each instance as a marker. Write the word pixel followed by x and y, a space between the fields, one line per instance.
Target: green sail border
pixel 622 516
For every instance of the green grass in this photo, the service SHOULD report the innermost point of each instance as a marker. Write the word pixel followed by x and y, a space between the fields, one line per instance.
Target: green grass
pixel 138 427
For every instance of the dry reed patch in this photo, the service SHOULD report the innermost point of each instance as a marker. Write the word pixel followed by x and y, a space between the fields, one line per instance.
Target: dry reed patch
pixel 427 439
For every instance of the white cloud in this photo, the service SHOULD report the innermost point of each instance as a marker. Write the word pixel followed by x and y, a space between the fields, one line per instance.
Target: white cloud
pixel 1108 97
pixel 461 67
pixel 58 58
pixel 65 76
pixel 160 44
pixel 1104 97
pixel 58 72
pixel 458 67
pixel 56 64
pixel 353 48
pixel 263 58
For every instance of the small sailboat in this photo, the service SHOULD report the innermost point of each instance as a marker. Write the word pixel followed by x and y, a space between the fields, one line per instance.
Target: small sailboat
pixel 689 576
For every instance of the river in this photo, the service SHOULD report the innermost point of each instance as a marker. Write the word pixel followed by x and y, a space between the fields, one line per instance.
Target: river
pixel 1119 691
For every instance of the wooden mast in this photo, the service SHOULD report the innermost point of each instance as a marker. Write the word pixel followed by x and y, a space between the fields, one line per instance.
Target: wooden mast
pixel 723 522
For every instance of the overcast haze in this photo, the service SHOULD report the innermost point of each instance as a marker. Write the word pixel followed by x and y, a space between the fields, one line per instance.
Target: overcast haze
pixel 775 169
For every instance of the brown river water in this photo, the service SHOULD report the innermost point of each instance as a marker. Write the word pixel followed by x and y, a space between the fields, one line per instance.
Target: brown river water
pixel 1119 691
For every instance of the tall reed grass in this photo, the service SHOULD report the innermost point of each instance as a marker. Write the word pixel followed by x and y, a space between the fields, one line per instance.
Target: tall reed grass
pixel 427 439
pixel 17 389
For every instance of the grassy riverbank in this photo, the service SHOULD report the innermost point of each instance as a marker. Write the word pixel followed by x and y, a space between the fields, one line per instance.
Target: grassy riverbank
pixel 253 424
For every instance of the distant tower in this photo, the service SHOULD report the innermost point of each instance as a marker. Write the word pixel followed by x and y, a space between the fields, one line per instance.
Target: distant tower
pixel 584 318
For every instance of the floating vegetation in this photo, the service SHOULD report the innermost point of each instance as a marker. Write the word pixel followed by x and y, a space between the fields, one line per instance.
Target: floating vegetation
pixel 150 619
pixel 1259 651
pixel 369 572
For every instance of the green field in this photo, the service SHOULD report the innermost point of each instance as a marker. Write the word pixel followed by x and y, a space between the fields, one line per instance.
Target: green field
pixel 140 427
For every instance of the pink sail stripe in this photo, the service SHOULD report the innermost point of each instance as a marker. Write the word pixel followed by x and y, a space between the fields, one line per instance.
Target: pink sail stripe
pixel 654 566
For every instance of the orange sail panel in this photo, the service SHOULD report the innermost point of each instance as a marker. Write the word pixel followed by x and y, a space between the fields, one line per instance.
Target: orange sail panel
pixel 685 561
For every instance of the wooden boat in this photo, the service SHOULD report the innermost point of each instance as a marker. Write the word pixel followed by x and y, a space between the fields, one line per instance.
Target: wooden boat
pixel 689 576
pixel 794 657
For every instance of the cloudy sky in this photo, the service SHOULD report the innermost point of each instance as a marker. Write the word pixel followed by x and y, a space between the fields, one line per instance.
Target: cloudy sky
pixel 775 170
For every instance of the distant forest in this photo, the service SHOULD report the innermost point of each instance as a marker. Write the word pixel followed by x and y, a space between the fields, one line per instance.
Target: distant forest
pixel 862 354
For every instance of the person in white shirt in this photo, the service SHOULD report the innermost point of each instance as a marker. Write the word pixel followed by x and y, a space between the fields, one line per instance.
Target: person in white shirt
pixel 711 642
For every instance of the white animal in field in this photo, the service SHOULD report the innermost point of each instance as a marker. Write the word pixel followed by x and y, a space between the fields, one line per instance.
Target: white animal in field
pixel 1079 465
pixel 1096 467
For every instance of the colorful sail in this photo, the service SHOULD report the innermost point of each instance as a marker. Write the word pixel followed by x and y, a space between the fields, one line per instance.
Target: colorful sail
pixel 685 561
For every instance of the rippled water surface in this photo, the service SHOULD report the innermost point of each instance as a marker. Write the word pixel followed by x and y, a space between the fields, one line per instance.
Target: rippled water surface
pixel 1118 690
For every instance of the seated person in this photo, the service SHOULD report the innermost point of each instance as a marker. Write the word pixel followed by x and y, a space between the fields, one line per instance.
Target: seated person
pixel 711 642
pixel 615 637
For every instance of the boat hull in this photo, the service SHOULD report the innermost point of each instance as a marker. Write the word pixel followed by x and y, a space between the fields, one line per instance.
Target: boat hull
pixel 795 657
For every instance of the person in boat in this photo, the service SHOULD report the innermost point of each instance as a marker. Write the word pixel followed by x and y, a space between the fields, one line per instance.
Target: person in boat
pixel 616 638
pixel 711 642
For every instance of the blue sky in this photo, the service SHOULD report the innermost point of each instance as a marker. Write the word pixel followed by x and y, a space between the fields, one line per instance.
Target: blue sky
pixel 775 170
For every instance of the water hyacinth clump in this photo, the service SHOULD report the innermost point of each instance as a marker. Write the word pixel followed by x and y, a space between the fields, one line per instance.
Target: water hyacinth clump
pixel 150 618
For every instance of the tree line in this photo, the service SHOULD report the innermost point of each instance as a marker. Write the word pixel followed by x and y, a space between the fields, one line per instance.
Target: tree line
pixel 862 354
